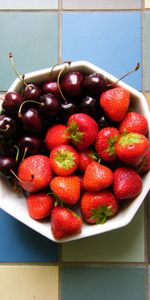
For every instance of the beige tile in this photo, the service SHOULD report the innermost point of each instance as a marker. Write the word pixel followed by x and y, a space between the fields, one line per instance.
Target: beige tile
pixel 28 282
pixel 28 4
pixel 147 3
pixel 148 99
pixel 101 4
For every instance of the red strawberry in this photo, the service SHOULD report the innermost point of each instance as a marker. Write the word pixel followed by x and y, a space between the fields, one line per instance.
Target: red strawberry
pixel 66 188
pixel 97 207
pixel 134 122
pixel 131 148
pixel 115 103
pixel 34 173
pixel 56 135
pixel 64 222
pixel 86 157
pixel 97 177
pixel 127 183
pixel 64 160
pixel 144 166
pixel 39 205
pixel 82 130
pixel 105 142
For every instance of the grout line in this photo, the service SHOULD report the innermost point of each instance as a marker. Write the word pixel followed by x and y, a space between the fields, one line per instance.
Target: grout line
pixel 59 31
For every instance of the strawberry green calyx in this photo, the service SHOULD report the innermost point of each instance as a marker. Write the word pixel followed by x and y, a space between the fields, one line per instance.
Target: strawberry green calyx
pixel 94 156
pixel 129 139
pixel 74 133
pixel 100 214
pixel 111 142
pixel 65 159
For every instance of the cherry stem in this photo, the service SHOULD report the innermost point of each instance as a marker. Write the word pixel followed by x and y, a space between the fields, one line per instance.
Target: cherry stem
pixel 25 151
pixel 65 62
pixel 32 177
pixel 58 81
pixel 17 154
pixel 21 77
pixel 133 70
pixel 7 127
pixel 27 101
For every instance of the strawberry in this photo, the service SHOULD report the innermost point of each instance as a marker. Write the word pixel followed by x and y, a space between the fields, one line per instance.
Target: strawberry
pixel 64 222
pixel 131 148
pixel 98 206
pixel 115 103
pixel 56 135
pixel 82 130
pixel 67 189
pixel 127 183
pixel 144 166
pixel 134 122
pixel 85 158
pixel 39 205
pixel 34 173
pixel 105 142
pixel 97 177
pixel 64 160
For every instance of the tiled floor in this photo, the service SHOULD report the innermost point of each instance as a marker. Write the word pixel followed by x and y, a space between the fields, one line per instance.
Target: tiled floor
pixel 113 34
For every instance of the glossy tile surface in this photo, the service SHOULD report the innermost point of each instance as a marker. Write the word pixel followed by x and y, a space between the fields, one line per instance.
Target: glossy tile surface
pixel 147 51
pixel 115 283
pixel 33 40
pixel 29 282
pixel 122 245
pixel 100 4
pixel 28 4
pixel 147 3
pixel 95 37
pixel 26 245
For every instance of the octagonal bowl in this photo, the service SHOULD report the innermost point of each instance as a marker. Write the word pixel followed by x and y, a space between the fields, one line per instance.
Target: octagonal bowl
pixel 15 205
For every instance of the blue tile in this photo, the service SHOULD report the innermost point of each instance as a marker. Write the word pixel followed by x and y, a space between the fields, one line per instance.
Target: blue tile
pixel 111 40
pixel 18 243
pixel 32 37
pixel 110 283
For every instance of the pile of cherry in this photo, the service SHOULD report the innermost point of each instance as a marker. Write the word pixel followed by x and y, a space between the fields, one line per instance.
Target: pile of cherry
pixel 73 144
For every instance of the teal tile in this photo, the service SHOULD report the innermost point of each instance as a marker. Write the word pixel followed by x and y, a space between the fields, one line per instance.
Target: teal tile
pixel 101 4
pixel 28 4
pixel 33 40
pixel 122 245
pixel 110 283
pixel 147 51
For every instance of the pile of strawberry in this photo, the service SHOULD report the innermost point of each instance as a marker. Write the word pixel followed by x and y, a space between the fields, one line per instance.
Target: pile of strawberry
pixel 88 172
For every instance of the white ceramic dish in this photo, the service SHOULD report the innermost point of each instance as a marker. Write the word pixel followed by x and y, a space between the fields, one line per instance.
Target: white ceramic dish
pixel 15 205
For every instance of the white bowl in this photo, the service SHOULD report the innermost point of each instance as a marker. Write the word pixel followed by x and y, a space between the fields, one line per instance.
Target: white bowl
pixel 15 205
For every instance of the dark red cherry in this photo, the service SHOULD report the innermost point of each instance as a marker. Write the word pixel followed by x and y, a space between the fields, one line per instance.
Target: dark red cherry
pixel 31 92
pixel 30 142
pixel 51 105
pixel 52 88
pixel 7 164
pixel 95 84
pixel 67 109
pixel 90 106
pixel 7 126
pixel 31 120
pixel 12 102
pixel 71 84
pixel 103 122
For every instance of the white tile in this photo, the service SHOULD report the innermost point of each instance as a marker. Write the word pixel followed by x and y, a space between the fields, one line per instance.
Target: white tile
pixel 147 3
pixel 101 4
pixel 28 4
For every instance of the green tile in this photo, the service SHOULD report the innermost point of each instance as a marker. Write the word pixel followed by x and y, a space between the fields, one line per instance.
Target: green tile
pixel 32 37
pixel 122 245
pixel 147 51
pixel 109 283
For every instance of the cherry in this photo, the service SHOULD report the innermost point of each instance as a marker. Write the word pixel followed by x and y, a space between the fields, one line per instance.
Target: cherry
pixel 7 126
pixel 12 102
pixel 67 109
pixel 31 92
pixel 30 143
pixel 52 88
pixel 31 120
pixel 71 84
pixel 51 105
pixel 7 164
pixel 90 106
pixel 95 84
pixel 104 122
